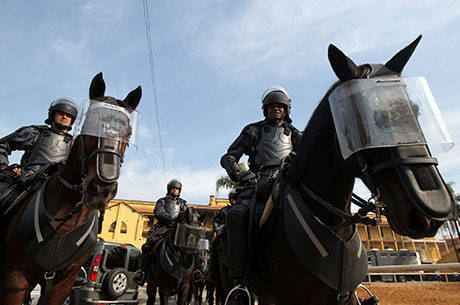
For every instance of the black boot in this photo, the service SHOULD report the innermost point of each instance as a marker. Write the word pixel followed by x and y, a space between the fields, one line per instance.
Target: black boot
pixel 370 301
pixel 139 278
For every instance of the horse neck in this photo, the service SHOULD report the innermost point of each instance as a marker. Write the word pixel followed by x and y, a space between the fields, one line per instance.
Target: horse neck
pixel 320 167
pixel 60 200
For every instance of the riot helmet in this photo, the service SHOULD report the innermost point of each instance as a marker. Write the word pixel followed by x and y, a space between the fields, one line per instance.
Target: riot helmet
pixel 174 183
pixel 64 105
pixel 276 94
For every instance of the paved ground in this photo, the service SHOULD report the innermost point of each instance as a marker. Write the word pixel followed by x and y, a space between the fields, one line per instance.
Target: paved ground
pixel 172 300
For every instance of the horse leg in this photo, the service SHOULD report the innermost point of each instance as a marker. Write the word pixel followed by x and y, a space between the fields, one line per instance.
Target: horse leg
pixel 210 292
pixel 15 287
pixel 200 293
pixel 151 294
pixel 183 292
pixel 19 275
pixel 64 280
pixel 163 296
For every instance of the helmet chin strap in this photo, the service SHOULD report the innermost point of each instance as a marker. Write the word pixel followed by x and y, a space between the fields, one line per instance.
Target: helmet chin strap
pixel 275 120
pixel 62 126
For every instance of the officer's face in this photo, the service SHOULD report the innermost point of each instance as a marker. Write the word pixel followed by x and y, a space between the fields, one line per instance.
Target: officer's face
pixel 62 118
pixel 232 201
pixel 275 110
pixel 174 191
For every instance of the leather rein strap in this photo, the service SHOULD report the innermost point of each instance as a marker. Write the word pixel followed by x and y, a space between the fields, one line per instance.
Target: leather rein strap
pixel 403 161
pixel 366 206
pixel 84 165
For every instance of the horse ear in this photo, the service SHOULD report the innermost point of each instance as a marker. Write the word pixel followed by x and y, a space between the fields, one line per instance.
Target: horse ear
pixel 133 98
pixel 97 87
pixel 397 62
pixel 344 67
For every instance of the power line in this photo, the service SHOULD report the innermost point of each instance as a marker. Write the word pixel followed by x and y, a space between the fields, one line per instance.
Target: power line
pixel 152 77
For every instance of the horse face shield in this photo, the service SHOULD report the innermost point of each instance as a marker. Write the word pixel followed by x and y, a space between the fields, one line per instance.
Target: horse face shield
pixel 114 126
pixel 401 115
pixel 371 113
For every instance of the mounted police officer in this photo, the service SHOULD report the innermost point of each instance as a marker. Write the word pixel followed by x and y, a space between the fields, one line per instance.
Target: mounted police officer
pixel 42 144
pixel 221 218
pixel 167 209
pixel 266 143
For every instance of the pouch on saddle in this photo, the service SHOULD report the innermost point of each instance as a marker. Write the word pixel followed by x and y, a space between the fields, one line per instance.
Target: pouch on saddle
pixel 14 189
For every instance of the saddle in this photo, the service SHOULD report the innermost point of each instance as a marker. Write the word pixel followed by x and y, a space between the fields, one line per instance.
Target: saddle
pixel 47 248
pixel 16 188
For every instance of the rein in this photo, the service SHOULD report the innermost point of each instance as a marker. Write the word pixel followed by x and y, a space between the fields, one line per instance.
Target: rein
pixel 374 203
pixel 359 217
pixel 84 165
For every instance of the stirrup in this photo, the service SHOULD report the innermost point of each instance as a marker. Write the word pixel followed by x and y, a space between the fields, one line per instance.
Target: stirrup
pixel 372 299
pixel 139 278
pixel 236 288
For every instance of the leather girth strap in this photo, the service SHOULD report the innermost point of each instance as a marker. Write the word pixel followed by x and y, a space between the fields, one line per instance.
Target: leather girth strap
pixel 45 292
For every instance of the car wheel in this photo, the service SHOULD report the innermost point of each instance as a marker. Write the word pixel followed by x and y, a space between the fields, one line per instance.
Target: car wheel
pixel 116 282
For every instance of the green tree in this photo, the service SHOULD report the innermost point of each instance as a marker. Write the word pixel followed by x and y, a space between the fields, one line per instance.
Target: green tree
pixel 450 187
pixel 224 181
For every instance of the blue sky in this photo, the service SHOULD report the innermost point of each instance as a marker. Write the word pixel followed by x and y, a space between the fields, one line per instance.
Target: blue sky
pixel 213 60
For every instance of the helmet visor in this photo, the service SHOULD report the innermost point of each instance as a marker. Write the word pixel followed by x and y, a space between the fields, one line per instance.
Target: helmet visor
pixel 371 113
pixel 109 121
pixel 65 105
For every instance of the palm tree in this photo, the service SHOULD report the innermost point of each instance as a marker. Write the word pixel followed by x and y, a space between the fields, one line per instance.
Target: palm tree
pixel 450 187
pixel 224 181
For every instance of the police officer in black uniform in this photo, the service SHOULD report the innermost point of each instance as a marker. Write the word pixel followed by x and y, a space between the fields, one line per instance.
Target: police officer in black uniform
pixel 166 211
pixel 221 218
pixel 266 143
pixel 42 144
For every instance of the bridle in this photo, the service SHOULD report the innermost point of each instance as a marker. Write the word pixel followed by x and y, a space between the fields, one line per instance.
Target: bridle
pixel 84 161
pixel 374 203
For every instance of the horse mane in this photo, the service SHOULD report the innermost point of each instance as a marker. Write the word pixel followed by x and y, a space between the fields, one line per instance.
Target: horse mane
pixel 320 128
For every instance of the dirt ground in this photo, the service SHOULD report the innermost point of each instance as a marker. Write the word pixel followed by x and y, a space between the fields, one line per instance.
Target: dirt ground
pixel 414 293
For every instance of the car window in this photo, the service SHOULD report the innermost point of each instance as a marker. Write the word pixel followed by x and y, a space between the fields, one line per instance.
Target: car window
pixel 133 264
pixel 115 257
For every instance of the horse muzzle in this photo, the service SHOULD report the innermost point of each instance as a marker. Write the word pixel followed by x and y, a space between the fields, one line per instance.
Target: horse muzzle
pixel 97 194
pixel 417 198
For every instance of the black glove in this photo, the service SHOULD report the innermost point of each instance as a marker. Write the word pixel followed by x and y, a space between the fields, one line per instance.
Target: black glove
pixel 245 177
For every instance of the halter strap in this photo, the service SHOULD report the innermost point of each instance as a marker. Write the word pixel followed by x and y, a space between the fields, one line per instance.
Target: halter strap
pixel 359 217
pixel 403 161
pixel 73 187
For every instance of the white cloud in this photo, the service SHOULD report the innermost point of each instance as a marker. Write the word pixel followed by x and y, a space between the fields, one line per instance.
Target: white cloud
pixel 69 50
pixel 139 180
pixel 285 38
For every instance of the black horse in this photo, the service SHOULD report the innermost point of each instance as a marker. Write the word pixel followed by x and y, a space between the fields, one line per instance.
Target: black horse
pixel 173 260
pixel 309 249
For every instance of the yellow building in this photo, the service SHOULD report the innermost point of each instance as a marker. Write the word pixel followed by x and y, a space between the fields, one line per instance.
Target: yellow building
pixel 382 237
pixel 128 221
pixel 124 224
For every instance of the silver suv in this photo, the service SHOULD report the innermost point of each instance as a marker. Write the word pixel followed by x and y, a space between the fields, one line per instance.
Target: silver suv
pixel 106 277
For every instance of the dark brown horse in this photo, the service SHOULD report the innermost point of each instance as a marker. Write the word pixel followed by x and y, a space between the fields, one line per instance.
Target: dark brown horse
pixel 85 183
pixel 173 260
pixel 312 254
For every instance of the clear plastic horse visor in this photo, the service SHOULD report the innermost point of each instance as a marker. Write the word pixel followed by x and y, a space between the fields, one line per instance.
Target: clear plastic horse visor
pixel 110 121
pixel 370 113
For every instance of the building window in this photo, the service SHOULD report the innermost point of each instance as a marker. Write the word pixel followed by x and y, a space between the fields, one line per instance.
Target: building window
pixel 124 227
pixel 112 227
